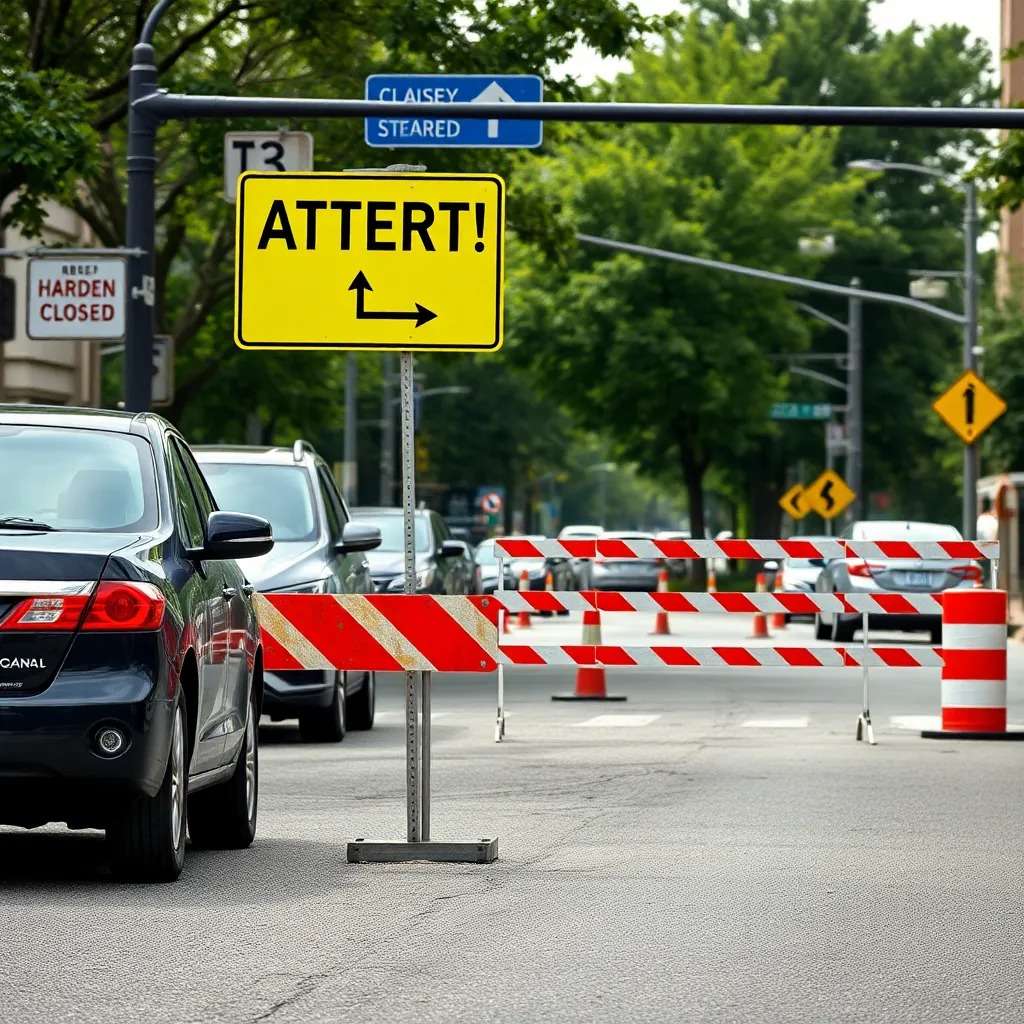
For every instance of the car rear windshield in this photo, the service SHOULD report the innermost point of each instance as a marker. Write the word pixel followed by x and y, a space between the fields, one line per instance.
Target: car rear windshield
pixel 281 494
pixel 392 534
pixel 907 531
pixel 95 481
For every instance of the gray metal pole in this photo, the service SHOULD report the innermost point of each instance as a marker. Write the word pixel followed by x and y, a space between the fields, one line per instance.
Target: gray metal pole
pixel 351 474
pixel 971 453
pixel 854 399
pixel 830 463
pixel 414 793
pixel 140 232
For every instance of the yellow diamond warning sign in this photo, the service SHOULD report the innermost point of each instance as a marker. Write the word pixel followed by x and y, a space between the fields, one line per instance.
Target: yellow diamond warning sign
pixel 829 494
pixel 970 407
pixel 794 502
pixel 370 261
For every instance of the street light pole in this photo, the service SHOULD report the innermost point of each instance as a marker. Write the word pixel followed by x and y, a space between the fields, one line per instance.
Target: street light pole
pixel 971 453
pixel 854 400
pixel 970 318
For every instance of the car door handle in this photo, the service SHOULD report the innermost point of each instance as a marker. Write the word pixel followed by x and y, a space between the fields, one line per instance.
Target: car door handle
pixel 228 592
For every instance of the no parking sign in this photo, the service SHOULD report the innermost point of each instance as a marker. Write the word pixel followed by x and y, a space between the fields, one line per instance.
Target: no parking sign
pixel 490 503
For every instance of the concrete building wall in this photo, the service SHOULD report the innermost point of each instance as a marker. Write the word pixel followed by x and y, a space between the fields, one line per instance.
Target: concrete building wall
pixel 48 372
pixel 1010 272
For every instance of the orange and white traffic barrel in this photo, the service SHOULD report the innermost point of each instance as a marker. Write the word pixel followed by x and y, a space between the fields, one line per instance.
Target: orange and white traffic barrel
pixel 974 666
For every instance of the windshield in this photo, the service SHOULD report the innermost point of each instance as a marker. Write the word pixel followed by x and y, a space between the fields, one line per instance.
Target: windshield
pixel 280 494
pixel 485 554
pixel 89 480
pixel 905 531
pixel 391 532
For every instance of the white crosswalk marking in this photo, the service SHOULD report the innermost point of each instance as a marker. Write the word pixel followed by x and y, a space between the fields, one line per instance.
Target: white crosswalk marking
pixel 617 721
pixel 776 723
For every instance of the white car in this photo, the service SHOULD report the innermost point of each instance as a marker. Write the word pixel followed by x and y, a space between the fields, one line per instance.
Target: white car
pixel 581 566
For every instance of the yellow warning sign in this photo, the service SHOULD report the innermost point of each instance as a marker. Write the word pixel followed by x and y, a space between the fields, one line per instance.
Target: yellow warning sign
pixel 794 503
pixel 370 261
pixel 970 407
pixel 829 494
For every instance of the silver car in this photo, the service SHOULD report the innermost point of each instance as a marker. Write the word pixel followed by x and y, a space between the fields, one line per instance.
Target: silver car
pixel 626 573
pixel 903 575
pixel 800 575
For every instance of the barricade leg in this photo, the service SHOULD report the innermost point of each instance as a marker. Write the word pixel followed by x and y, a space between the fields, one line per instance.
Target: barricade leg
pixel 974 636
pixel 865 730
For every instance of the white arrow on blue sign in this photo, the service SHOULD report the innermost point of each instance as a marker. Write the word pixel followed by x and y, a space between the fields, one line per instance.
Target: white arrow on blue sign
pixel 454 132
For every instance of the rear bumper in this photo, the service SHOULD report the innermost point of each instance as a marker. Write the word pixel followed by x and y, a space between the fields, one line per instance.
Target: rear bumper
pixel 51 769
pixel 622 582
pixel 899 623
pixel 287 694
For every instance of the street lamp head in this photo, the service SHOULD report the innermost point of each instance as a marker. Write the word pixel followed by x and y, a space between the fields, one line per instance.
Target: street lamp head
pixel 866 165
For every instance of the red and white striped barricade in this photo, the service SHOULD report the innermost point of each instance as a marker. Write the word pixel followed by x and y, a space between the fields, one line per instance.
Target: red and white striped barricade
pixel 759 604
pixel 974 632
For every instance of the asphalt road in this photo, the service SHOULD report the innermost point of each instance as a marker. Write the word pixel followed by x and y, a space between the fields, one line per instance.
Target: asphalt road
pixel 718 849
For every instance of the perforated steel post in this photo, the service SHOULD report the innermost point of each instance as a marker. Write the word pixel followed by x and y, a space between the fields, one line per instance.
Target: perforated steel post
pixel 413 795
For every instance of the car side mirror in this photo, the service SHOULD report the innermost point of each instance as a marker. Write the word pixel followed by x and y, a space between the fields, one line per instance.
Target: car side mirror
pixel 236 535
pixel 454 549
pixel 771 566
pixel 358 537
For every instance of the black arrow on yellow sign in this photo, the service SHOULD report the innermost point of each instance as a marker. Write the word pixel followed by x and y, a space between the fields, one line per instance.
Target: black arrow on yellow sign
pixel 361 286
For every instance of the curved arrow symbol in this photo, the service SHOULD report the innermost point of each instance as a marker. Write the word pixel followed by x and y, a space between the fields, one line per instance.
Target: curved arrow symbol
pixel 361 286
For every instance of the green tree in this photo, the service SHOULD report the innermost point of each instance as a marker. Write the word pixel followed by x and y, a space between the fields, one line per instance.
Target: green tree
pixel 673 360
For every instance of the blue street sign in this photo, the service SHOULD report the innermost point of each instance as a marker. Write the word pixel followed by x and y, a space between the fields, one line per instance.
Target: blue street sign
pixel 424 132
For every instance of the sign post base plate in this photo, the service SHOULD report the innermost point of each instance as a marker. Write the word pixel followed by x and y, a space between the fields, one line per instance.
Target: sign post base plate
pixel 480 851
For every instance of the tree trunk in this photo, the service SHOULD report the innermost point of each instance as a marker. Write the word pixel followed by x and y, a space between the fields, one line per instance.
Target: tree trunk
pixel 693 478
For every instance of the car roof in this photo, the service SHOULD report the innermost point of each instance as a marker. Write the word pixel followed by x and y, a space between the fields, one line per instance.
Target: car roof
pixel 79 419
pixel 627 535
pixel 567 530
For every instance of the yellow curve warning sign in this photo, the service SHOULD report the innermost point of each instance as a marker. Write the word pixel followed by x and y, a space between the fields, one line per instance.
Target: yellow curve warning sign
pixel 969 407
pixel 829 494
pixel 794 502
pixel 370 261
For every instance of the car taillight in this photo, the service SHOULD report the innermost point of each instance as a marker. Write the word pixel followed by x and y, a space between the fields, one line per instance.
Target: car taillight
pixel 967 572
pixel 659 562
pixel 864 568
pixel 125 606
pixel 47 613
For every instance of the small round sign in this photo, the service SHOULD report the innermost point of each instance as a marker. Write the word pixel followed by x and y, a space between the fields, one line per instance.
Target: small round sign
pixel 491 503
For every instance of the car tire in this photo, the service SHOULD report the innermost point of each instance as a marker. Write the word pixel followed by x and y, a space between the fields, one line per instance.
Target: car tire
pixel 361 707
pixel 223 817
pixel 326 725
pixel 147 843
pixel 821 631
pixel 842 631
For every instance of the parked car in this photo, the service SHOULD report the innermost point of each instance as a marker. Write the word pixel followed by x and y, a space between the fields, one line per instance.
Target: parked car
pixel 563 577
pixel 581 566
pixel 487 568
pixel 877 575
pixel 443 565
pixel 131 674
pixel 626 573
pixel 799 575
pixel 678 567
pixel 318 551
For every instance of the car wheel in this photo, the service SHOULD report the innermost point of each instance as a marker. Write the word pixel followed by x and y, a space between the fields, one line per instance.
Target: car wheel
pixel 843 631
pixel 326 725
pixel 361 706
pixel 821 630
pixel 224 817
pixel 147 843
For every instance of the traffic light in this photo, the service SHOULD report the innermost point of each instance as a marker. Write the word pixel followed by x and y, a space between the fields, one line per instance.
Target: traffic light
pixel 6 308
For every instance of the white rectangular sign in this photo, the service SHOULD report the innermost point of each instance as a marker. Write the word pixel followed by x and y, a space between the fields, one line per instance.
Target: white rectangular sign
pixel 264 151
pixel 76 298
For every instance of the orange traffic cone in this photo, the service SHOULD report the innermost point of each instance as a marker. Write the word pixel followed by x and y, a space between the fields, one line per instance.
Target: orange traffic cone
pixel 549 586
pixel 712 582
pixel 760 619
pixel 590 679
pixel 523 618
pixel 506 628
pixel 661 618
pixel 778 619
